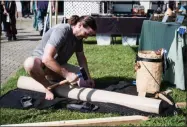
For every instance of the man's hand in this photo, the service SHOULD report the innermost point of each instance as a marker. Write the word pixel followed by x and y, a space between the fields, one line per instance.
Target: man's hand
pixel 72 78
pixel 16 14
pixel 86 83
pixel 49 95
pixel 53 9
pixel 90 82
pixel 5 12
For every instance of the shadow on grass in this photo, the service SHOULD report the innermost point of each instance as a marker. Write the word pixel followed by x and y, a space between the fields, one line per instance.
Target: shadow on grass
pixel 116 41
pixel 165 85
pixel 135 49
pixel 104 82
pixel 91 42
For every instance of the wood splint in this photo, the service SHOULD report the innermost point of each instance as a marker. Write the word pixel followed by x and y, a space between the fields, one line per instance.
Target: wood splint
pixel 109 121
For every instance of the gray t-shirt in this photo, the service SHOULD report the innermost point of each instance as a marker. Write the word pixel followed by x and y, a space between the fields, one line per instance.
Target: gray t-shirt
pixel 62 38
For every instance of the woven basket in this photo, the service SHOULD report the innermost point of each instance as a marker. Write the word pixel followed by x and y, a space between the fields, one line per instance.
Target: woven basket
pixel 148 77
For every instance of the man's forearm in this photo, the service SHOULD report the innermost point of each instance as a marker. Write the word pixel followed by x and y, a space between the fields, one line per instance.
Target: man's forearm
pixel 83 63
pixel 54 66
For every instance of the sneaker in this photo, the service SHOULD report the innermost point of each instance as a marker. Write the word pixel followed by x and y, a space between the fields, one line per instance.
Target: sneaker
pixel 41 32
pixel 29 17
pixel 9 38
pixel 14 38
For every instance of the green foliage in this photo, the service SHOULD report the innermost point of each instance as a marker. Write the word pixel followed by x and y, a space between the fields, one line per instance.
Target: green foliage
pixel 107 64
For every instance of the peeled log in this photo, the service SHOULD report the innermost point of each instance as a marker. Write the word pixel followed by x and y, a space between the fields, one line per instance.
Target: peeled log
pixel 95 95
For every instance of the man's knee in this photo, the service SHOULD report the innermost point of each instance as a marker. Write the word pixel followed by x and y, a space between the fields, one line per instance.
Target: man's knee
pixel 31 64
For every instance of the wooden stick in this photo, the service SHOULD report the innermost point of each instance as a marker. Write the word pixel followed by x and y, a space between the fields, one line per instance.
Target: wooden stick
pixel 55 85
pixel 167 92
pixel 50 14
pixel 161 96
pixel 181 105
pixel 109 121
pixel 56 12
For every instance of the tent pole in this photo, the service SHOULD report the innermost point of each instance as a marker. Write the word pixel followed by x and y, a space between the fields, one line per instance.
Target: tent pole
pixel 56 12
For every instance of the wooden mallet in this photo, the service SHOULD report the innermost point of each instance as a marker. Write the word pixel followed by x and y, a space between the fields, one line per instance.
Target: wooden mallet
pixel 82 73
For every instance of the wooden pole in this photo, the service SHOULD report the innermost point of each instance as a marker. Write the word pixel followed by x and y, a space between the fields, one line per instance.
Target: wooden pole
pixel 46 19
pixel 56 12
pixel 181 104
pixel 109 121
pixel 50 14
pixel 95 95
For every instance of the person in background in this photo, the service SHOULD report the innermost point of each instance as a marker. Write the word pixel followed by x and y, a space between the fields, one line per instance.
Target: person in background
pixel 49 60
pixel 34 11
pixel 181 9
pixel 170 9
pixel 160 7
pixel 3 18
pixel 10 10
pixel 159 10
pixel 25 8
pixel 42 7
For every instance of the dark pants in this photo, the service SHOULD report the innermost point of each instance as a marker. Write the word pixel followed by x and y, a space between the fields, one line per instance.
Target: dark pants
pixel 11 27
pixel 25 8
pixel 40 18
pixel 3 20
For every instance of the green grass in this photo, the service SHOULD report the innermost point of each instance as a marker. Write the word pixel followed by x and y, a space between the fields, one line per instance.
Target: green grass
pixel 107 64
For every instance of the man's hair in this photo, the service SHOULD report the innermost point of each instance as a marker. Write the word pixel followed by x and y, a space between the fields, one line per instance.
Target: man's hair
pixel 171 4
pixel 87 21
pixel 73 19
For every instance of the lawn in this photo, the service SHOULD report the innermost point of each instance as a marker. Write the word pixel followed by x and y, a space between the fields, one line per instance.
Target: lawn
pixel 107 64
